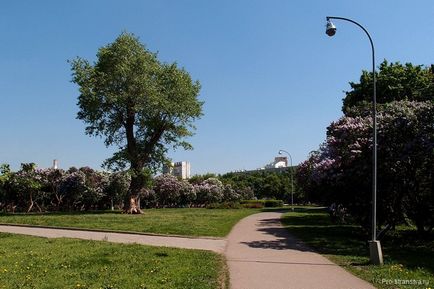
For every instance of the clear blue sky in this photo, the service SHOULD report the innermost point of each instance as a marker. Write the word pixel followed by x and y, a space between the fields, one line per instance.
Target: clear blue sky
pixel 271 79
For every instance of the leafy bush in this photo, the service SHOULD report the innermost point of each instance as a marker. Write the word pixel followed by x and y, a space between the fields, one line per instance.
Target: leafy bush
pixel 262 203
pixel 273 203
pixel 117 189
pixel 252 204
pixel 224 205
pixel 261 184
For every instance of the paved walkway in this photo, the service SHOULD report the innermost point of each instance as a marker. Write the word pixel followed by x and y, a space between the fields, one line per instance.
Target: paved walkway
pixel 216 245
pixel 261 254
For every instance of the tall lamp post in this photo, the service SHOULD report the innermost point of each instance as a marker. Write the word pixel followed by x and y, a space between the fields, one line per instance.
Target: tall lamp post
pixel 292 178
pixel 374 245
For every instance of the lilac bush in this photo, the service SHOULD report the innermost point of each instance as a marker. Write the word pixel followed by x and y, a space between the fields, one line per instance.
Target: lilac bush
pixel 167 189
pixel 209 191
pixel 72 188
pixel 341 170
pixel 230 195
pixel 187 194
pixel 27 184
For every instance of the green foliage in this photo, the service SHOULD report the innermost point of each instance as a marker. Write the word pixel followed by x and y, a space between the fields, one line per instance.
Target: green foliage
pixel 252 204
pixel 197 179
pixel 263 184
pixel 31 262
pixel 117 188
pixel 394 82
pixel 224 205
pixel 262 203
pixel 137 103
pixel 5 174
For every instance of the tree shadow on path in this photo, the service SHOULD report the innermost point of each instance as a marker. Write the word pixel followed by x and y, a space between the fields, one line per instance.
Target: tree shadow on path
pixel 282 240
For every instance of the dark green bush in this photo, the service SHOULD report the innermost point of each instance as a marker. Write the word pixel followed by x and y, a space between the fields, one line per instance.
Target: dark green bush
pixel 224 205
pixel 273 203
pixel 262 203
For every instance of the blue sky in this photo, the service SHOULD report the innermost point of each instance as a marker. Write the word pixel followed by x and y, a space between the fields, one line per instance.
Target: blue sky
pixel 271 78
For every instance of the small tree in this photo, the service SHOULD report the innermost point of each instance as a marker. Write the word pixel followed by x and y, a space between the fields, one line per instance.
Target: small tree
pixel 138 104
pixel 51 180
pixel 5 175
pixel 117 188
pixel 27 185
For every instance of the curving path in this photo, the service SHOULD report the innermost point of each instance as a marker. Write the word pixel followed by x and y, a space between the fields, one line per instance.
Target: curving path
pixel 216 245
pixel 260 253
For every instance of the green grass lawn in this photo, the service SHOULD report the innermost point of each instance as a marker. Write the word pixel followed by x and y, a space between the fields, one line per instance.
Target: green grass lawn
pixel 188 221
pixel 32 262
pixel 406 256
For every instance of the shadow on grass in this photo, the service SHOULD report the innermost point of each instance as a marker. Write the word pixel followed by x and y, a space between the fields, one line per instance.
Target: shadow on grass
pixel 402 246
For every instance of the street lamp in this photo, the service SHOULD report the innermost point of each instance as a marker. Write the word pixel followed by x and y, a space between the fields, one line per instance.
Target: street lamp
pixel 374 245
pixel 292 179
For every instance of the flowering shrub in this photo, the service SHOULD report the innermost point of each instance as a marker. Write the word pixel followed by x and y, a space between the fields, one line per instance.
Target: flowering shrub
pixel 71 188
pixel 51 181
pixel 341 170
pixel 27 184
pixel 187 194
pixel 88 189
pixel 167 189
pixel 230 195
pixel 209 191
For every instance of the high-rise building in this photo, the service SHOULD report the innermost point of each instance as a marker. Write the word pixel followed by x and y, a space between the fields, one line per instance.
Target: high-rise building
pixel 178 169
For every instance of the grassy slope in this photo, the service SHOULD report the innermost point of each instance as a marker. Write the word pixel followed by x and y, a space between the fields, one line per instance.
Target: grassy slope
pixel 191 222
pixel 31 262
pixel 406 257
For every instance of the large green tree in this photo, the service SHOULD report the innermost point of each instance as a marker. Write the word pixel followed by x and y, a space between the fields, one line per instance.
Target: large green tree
pixel 138 104
pixel 395 82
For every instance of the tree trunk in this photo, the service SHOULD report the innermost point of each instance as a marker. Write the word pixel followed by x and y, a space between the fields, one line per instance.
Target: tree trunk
pixel 134 206
pixel 132 202
pixel 31 203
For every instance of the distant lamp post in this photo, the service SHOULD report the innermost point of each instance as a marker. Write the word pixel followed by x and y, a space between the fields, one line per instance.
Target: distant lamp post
pixel 374 245
pixel 292 178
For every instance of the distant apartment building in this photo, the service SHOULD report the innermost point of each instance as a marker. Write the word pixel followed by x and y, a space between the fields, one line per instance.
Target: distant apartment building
pixel 178 169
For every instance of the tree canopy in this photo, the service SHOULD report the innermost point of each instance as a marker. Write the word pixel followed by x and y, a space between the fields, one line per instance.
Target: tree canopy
pixel 395 82
pixel 136 103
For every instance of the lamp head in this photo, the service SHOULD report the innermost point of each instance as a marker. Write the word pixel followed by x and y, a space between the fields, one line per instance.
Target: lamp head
pixel 280 152
pixel 330 28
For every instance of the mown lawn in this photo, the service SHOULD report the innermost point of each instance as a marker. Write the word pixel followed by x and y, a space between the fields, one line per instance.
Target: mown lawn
pixel 408 257
pixel 32 262
pixel 185 221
